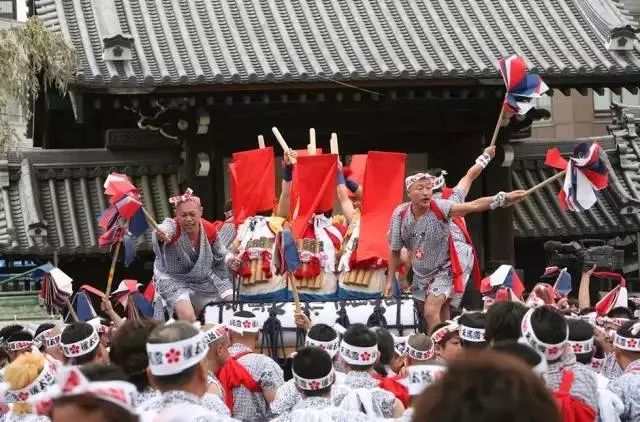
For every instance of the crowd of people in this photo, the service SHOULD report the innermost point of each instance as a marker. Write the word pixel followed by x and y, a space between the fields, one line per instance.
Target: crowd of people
pixel 511 362
pixel 546 358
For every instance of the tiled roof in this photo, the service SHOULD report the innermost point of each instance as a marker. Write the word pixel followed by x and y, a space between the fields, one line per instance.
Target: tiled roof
pixel 205 42
pixel 50 200
pixel 616 212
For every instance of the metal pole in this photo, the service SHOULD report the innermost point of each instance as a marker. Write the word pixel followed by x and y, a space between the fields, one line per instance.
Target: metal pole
pixel 55 259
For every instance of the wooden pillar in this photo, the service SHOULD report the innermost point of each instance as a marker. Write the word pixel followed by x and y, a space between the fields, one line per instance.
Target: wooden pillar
pixel 499 236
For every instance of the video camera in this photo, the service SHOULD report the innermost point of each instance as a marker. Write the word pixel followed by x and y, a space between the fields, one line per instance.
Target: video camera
pixel 583 254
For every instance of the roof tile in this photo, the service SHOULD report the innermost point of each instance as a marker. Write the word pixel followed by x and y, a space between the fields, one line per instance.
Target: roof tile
pixel 195 42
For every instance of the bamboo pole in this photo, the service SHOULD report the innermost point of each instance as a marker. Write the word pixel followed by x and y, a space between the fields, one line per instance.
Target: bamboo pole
pixel 150 219
pixel 71 310
pixel 260 141
pixel 112 269
pixel 312 142
pixel 546 182
pixel 497 129
pixel 282 142
pixel 333 144
pixel 294 289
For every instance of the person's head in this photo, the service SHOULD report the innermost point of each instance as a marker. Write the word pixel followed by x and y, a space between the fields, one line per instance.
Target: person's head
pixel 188 212
pixel 129 350
pixel 420 189
pixel 313 372
pixel 472 329
pixel 323 337
pixel 177 353
pixel 80 344
pixel 109 401
pixel 523 352
pixel 546 330
pixel 418 349
pixel 503 321
pixel 19 342
pixel 626 343
pixel 387 358
pixel 446 337
pixel 28 375
pixel 620 312
pixel 485 386
pixel 244 328
pixel 51 343
pixel 359 348
pixel 218 340
pixel 40 333
pixel 581 340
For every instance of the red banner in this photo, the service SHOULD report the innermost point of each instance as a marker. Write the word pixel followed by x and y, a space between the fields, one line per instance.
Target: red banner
pixel 383 192
pixel 313 189
pixel 358 165
pixel 253 186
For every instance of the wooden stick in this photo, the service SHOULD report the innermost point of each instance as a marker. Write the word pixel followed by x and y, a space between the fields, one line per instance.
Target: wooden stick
pixel 497 129
pixel 260 141
pixel 71 310
pixel 312 142
pixel 282 142
pixel 546 182
pixel 310 150
pixel 112 270
pixel 150 219
pixel 333 142
pixel 294 290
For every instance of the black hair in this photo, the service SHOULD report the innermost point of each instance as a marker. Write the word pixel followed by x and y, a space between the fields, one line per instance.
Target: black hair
pixel 129 350
pixel 361 336
pixel 625 330
pixel 103 372
pixel 20 335
pixel 620 312
pixel 43 327
pixel 77 331
pixel 549 325
pixel 580 330
pixel 244 314
pixel 588 310
pixel 385 348
pixel 110 412
pixel 521 351
pixel 473 320
pixel 313 363
pixel 503 321
pixel 9 329
pixel 177 331
pixel 322 332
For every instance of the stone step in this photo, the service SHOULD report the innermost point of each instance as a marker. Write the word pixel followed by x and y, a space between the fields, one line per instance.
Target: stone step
pixel 17 306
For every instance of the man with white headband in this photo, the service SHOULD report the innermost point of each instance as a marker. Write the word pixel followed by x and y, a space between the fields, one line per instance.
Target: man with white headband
pixel 323 337
pixel 421 368
pixel 80 344
pixel 178 368
pixel 582 345
pixel 360 391
pixel 446 338
pixel 249 380
pixel 314 377
pixel 626 345
pixel 463 244
pixel 423 227
pixel 546 330
pixel 48 341
pixel 189 270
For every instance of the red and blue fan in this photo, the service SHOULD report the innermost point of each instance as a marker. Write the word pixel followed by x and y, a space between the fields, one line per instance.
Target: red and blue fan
pixel 503 280
pixel 584 173
pixel 124 220
pixel 522 86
